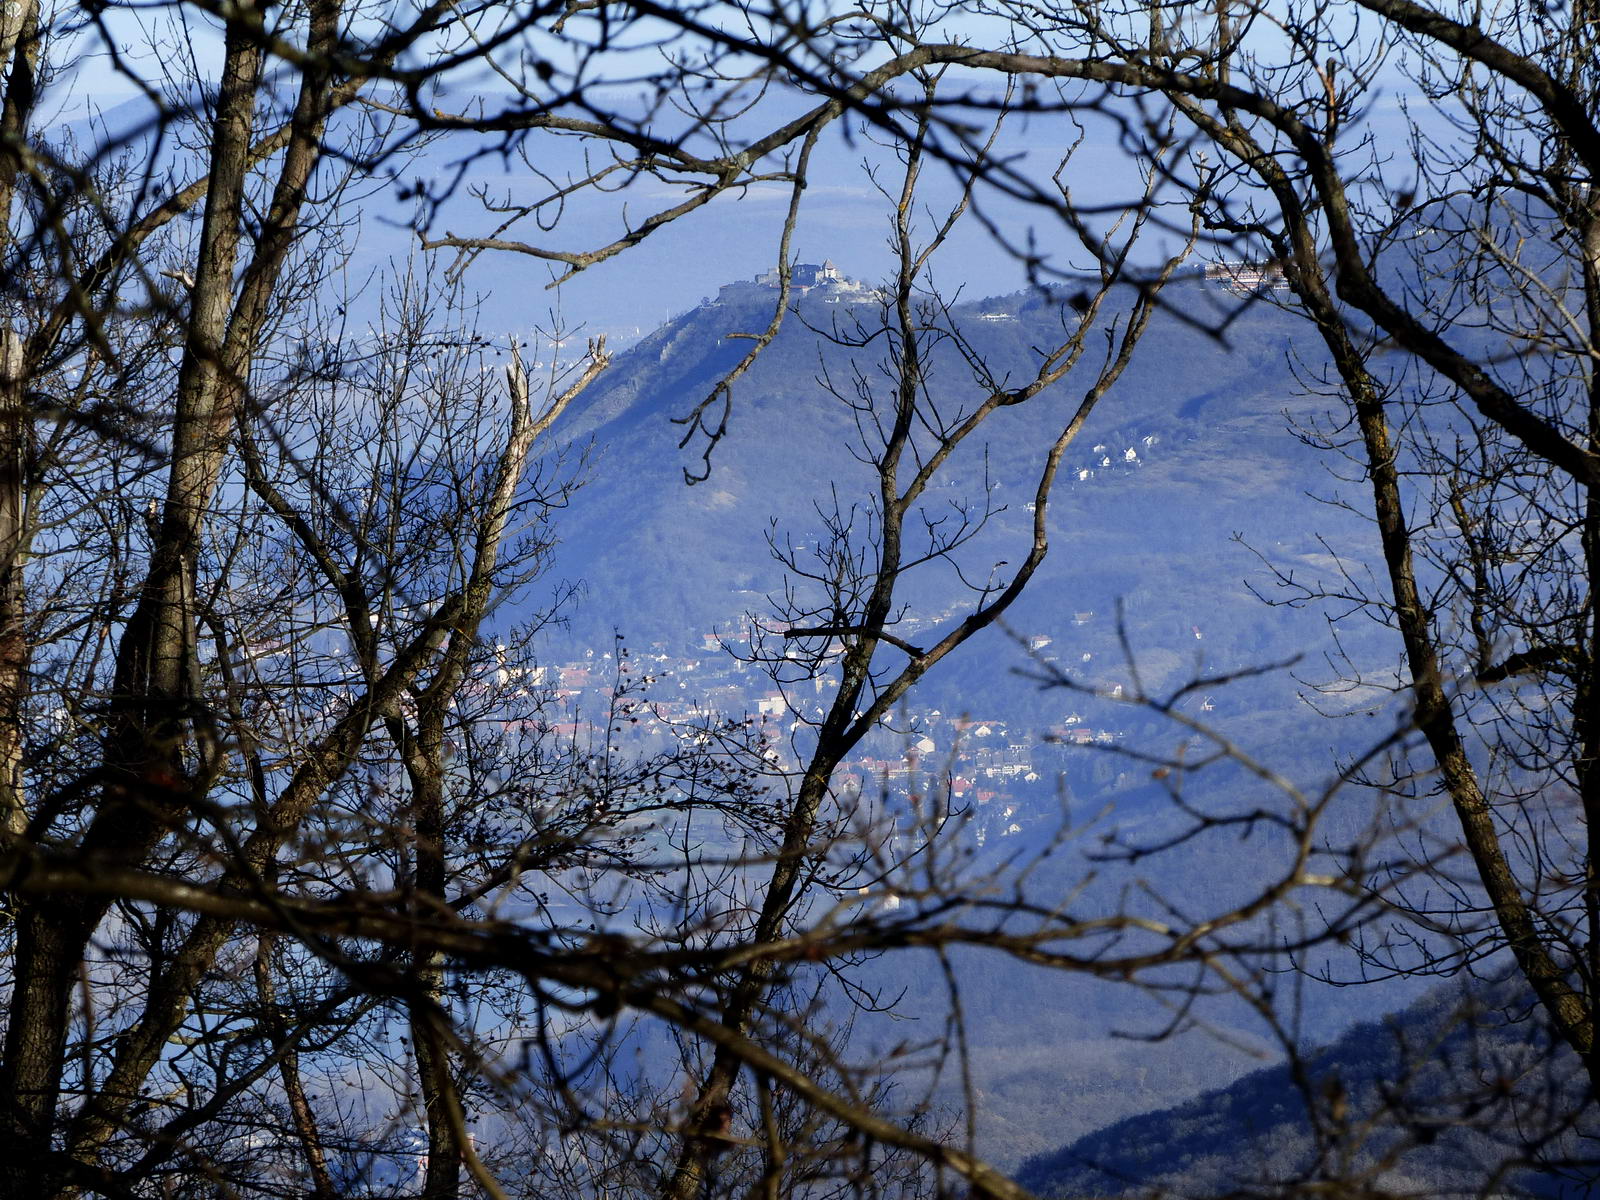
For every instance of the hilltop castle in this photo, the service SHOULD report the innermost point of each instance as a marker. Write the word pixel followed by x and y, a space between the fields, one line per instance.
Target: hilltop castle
pixel 804 278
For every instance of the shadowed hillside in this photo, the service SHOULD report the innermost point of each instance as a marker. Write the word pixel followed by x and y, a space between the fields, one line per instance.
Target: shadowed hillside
pixel 1448 1096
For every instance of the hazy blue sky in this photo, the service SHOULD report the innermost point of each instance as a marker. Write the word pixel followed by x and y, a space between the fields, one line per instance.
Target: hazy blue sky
pixel 843 217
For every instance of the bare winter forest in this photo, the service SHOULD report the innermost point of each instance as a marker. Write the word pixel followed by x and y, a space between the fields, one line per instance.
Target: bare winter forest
pixel 616 599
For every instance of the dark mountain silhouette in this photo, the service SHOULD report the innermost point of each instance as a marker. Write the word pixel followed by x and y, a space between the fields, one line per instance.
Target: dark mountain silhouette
pixel 1455 1094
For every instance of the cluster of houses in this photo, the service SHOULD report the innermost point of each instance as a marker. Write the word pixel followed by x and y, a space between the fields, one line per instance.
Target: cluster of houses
pixel 620 699
pixel 1247 278
pixel 644 696
pixel 1105 458
pixel 979 761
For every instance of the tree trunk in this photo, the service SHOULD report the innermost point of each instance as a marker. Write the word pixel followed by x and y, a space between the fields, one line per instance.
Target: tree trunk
pixel 144 790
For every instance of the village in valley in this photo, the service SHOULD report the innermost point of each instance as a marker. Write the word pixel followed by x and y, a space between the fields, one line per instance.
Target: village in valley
pixel 1000 772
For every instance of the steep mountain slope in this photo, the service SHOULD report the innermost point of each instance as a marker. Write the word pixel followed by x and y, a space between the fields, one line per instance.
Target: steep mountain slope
pixel 1204 420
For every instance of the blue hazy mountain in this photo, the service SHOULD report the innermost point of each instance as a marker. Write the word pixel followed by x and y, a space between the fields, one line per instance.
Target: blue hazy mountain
pixel 1192 447
pixel 1189 475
